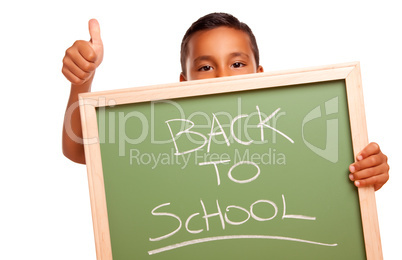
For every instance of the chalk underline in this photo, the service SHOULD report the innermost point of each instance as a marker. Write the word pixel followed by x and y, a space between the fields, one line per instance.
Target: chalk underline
pixel 209 239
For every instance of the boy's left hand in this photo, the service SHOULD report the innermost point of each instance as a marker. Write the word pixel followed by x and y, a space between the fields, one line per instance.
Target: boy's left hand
pixel 371 167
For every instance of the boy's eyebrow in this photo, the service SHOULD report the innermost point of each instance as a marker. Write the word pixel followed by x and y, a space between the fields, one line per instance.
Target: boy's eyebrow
pixel 209 58
pixel 202 58
pixel 239 54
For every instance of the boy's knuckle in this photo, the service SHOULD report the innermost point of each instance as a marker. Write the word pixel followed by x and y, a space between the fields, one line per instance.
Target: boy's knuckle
pixel 91 55
pixel 85 66
pixel 66 61
pixel 88 67
pixel 69 52
pixel 373 160
pixel 78 43
pixel 63 70
pixel 80 74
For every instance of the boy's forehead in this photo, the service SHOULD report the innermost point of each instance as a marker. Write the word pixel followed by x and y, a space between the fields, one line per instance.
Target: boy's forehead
pixel 218 41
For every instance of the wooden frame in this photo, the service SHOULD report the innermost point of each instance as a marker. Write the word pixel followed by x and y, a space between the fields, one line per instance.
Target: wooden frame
pixel 350 72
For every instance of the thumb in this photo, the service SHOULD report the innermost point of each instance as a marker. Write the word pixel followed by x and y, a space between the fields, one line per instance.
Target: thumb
pixel 94 32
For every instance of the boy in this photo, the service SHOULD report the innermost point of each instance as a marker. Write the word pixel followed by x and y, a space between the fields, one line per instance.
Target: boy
pixel 216 45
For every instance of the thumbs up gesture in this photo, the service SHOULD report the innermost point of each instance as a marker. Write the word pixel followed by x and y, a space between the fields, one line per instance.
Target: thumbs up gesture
pixel 83 57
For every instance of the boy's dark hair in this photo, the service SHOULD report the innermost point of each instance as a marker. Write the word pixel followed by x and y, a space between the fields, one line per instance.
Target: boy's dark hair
pixel 212 21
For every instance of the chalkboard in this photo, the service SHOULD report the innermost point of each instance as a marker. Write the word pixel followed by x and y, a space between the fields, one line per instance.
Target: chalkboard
pixel 249 167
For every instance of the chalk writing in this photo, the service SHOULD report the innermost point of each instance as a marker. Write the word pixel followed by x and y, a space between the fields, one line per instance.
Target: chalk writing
pixel 224 218
pixel 223 214
pixel 262 124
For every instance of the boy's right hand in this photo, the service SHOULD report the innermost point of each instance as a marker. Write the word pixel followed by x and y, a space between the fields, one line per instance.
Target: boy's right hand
pixel 83 57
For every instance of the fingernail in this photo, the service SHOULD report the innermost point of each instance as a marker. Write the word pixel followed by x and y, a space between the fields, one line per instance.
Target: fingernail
pixel 359 157
pixel 352 169
pixel 351 177
pixel 357 183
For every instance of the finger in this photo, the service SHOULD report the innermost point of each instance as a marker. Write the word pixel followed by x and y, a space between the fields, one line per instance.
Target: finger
pixel 94 32
pixel 82 54
pixel 371 161
pixel 377 181
pixel 86 51
pixel 369 172
pixel 73 68
pixel 77 71
pixel 370 149
pixel 71 77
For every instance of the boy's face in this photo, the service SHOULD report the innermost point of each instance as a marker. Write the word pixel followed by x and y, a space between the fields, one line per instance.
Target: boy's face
pixel 219 52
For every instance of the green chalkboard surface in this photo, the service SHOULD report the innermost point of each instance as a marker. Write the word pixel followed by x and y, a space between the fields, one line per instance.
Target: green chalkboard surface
pixel 250 167
pixel 276 190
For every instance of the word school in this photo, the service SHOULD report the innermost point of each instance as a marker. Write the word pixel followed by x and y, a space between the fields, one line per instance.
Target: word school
pixel 223 217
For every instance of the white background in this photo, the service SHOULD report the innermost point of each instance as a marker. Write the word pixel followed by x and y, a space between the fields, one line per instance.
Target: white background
pixel 44 199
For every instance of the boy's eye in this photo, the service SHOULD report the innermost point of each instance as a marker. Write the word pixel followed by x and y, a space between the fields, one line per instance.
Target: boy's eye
pixel 238 65
pixel 205 68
